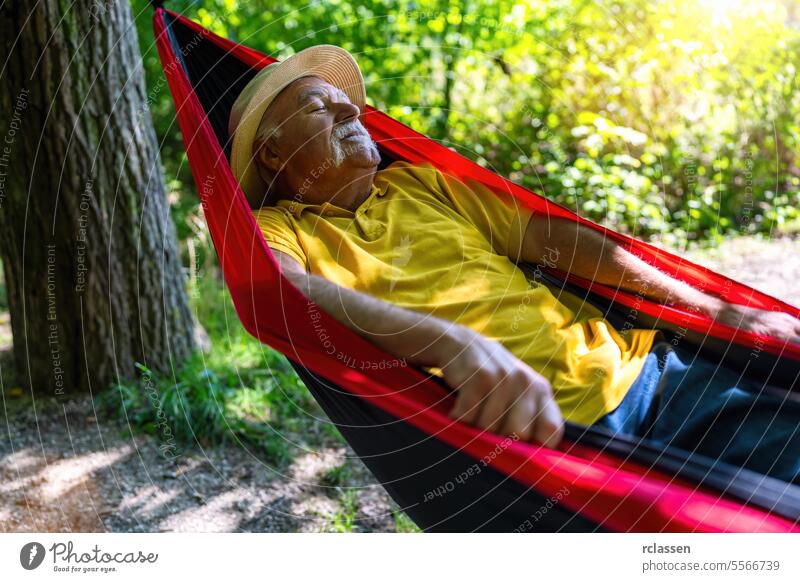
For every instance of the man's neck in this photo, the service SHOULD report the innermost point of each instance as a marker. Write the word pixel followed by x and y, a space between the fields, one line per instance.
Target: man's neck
pixel 350 190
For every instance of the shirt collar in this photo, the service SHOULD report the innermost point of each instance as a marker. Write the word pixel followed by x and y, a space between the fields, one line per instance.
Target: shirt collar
pixel 326 208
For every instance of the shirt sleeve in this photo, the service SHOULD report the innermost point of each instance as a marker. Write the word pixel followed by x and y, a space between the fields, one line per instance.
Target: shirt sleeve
pixel 279 233
pixel 500 217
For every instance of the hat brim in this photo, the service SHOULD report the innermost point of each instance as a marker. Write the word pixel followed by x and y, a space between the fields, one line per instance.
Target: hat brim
pixel 330 63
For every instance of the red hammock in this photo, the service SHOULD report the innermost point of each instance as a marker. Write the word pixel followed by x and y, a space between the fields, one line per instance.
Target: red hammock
pixel 619 493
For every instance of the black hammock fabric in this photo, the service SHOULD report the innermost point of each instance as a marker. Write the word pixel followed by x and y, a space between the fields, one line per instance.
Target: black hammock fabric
pixel 445 475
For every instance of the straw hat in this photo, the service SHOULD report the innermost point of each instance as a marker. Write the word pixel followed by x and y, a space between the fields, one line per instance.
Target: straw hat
pixel 330 63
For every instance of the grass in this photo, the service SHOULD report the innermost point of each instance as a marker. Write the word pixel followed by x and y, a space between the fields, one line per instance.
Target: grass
pixel 403 523
pixel 344 518
pixel 336 476
pixel 241 391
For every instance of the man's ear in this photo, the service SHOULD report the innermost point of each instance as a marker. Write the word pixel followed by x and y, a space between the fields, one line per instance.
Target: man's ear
pixel 267 155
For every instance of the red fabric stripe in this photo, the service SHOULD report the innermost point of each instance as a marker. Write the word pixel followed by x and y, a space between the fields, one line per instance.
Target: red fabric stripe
pixel 623 496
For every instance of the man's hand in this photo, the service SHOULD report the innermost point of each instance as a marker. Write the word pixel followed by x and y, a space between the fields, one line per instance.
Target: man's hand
pixel 496 391
pixel 770 323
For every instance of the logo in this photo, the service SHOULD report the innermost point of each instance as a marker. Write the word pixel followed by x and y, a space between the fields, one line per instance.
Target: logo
pixel 31 555
pixel 402 257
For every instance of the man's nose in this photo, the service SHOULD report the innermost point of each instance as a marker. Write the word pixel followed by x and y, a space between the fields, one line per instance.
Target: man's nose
pixel 346 111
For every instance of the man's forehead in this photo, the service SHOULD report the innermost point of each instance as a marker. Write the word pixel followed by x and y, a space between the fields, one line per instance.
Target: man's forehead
pixel 298 93
pixel 310 87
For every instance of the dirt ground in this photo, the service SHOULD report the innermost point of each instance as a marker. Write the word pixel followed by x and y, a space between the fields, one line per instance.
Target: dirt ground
pixel 63 470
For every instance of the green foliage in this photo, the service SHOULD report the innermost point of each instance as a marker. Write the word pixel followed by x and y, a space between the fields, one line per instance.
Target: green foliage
pixel 675 120
pixel 403 523
pixel 240 392
pixel 344 518
pixel 336 476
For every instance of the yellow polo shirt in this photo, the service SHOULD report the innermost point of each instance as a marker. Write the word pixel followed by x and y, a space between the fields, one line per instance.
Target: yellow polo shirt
pixel 428 242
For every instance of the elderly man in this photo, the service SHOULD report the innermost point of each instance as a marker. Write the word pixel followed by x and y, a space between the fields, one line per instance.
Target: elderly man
pixel 427 268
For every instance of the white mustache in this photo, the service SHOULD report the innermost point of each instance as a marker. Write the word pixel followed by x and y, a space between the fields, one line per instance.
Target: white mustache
pixel 340 131
pixel 341 149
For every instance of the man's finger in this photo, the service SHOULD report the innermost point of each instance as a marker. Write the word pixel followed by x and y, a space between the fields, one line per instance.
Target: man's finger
pixel 494 410
pixel 549 427
pixel 521 419
pixel 467 406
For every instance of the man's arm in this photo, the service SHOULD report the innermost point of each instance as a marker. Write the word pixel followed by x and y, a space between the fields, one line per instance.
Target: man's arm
pixel 496 391
pixel 582 251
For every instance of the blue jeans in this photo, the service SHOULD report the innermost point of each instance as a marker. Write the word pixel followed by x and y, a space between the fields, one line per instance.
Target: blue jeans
pixel 683 400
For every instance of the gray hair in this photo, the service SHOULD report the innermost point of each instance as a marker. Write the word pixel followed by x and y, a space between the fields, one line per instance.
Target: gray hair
pixel 264 132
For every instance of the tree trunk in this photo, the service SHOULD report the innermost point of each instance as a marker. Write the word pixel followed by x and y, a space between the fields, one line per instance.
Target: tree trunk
pixel 89 251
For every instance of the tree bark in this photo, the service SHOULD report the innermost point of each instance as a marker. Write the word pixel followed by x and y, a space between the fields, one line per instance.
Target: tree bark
pixel 89 251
